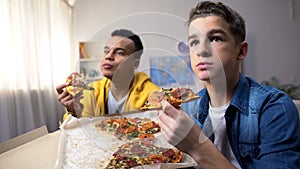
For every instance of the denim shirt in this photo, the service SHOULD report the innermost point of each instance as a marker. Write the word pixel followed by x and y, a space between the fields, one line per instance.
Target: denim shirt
pixel 262 123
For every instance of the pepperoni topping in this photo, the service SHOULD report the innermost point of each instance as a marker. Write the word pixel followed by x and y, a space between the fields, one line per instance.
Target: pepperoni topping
pixel 168 153
pixel 121 130
pixel 136 120
pixel 182 93
pixel 121 156
pixel 131 163
pixel 178 93
pixel 147 141
pixel 137 150
pixel 157 160
pixel 116 153
pixel 156 97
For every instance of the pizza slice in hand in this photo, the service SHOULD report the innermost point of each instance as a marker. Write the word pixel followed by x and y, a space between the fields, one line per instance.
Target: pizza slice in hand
pixel 77 84
pixel 175 96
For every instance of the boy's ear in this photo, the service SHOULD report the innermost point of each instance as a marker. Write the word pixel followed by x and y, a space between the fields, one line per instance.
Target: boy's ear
pixel 136 63
pixel 243 50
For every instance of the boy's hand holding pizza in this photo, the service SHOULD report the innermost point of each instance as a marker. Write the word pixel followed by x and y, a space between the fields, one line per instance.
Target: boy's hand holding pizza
pixel 70 93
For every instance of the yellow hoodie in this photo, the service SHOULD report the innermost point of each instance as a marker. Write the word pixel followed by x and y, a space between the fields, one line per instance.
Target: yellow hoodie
pixel 95 102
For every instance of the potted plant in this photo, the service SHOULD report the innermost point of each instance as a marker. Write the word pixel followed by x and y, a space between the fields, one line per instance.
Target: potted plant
pixel 291 89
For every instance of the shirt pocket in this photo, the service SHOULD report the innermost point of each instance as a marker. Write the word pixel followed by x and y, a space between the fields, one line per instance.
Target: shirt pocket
pixel 248 140
pixel 249 149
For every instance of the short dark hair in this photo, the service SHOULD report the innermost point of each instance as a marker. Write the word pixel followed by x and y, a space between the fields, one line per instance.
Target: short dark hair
pixel 235 20
pixel 135 38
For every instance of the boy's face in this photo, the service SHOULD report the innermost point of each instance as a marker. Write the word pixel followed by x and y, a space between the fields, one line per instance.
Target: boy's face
pixel 213 50
pixel 116 50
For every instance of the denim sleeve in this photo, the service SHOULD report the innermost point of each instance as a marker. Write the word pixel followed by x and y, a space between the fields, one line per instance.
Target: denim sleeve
pixel 279 134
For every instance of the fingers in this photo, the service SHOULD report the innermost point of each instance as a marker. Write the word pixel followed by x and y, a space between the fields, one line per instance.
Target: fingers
pixel 174 130
pixel 175 124
pixel 66 100
pixel 63 96
pixel 74 73
pixel 60 88
pixel 169 115
pixel 166 121
pixel 169 109
pixel 78 96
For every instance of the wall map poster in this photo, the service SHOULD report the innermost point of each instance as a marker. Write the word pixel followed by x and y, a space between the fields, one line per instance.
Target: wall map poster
pixel 171 71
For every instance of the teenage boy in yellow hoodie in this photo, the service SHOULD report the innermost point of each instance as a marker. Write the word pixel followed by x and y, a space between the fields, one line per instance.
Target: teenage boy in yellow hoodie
pixel 121 89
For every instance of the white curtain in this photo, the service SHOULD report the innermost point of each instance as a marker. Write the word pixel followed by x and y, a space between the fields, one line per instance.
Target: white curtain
pixel 35 42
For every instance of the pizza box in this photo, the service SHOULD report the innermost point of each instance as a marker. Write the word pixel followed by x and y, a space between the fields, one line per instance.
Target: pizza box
pixel 81 145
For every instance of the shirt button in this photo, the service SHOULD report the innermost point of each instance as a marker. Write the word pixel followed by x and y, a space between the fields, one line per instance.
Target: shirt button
pixel 227 118
pixel 256 151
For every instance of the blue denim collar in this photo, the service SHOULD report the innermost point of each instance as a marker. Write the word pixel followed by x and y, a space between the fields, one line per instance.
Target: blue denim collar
pixel 240 99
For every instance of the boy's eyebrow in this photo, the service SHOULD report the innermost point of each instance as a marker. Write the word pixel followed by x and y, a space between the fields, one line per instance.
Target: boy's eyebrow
pixel 106 47
pixel 214 31
pixel 192 36
pixel 209 33
pixel 123 49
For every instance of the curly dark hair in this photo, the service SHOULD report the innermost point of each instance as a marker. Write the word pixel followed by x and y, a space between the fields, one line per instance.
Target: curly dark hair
pixel 235 20
pixel 135 38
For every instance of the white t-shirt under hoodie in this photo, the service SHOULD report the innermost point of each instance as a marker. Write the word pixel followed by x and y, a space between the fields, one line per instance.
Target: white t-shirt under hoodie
pixel 115 106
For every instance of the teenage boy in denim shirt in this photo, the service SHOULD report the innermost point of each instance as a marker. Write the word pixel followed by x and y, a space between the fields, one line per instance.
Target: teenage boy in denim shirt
pixel 242 123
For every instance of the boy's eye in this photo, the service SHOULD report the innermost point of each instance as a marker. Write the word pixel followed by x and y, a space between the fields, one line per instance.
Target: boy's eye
pixel 194 43
pixel 215 39
pixel 106 51
pixel 121 53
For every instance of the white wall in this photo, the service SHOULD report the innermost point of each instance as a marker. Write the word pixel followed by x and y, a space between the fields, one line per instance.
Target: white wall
pixel 272 30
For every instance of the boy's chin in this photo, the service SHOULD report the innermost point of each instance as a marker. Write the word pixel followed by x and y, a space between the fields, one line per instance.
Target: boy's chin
pixel 108 76
pixel 203 76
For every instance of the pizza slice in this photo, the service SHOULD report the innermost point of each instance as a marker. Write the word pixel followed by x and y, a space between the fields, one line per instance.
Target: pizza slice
pixel 77 84
pixel 175 96
pixel 183 95
pixel 154 100
pixel 143 152
pixel 129 128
